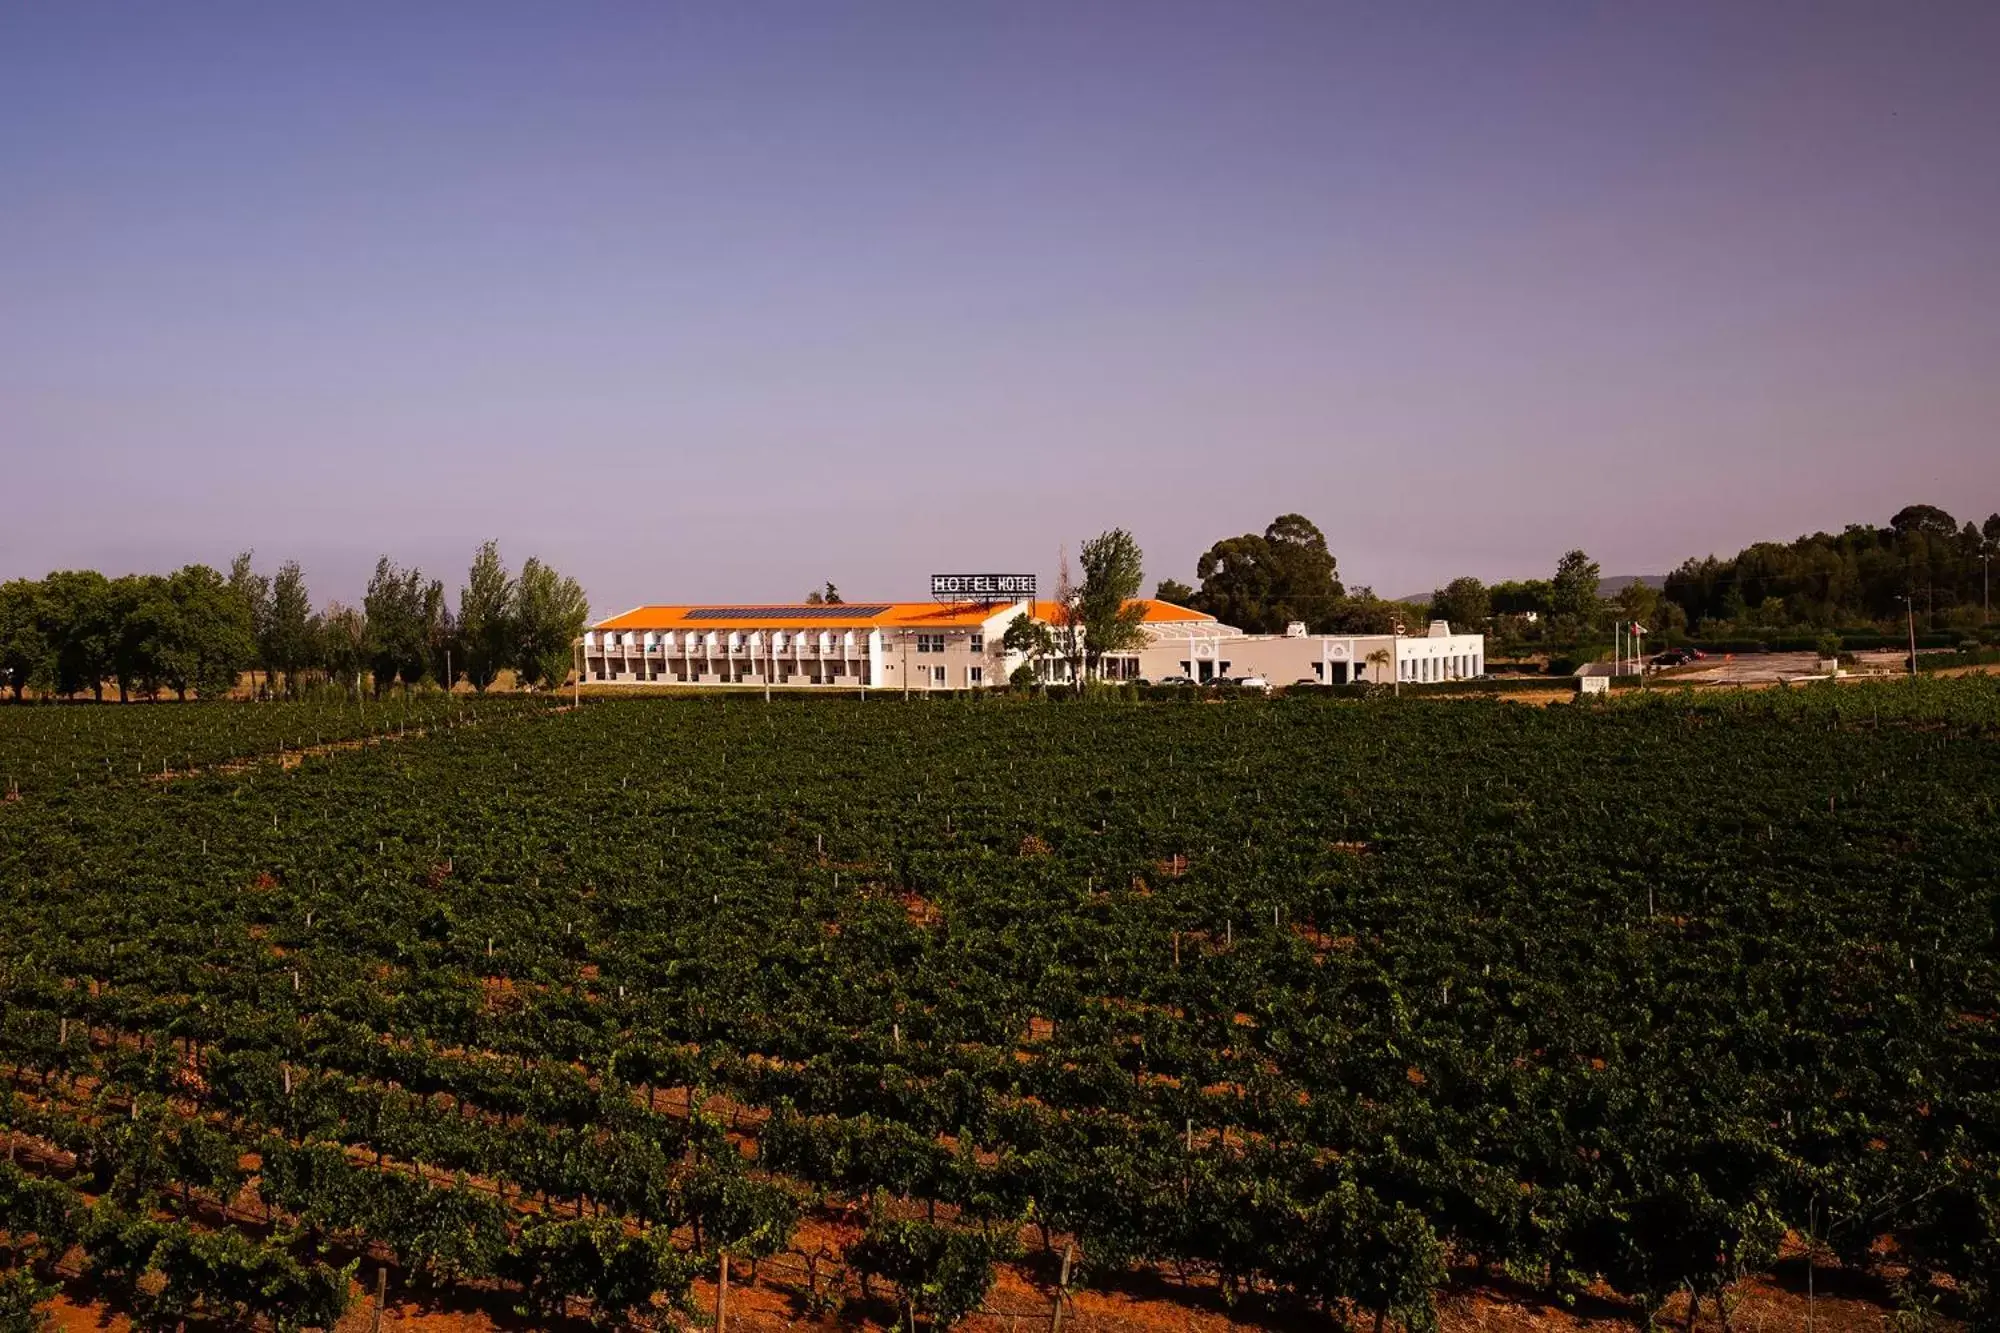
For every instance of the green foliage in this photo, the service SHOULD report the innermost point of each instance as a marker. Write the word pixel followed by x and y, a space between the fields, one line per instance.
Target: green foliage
pixel 549 613
pixel 398 608
pixel 1573 590
pixel 558 1261
pixel 1858 575
pixel 939 1273
pixel 1464 602
pixel 1260 583
pixel 1302 992
pixel 486 618
pixel 1106 607
pixel 23 1302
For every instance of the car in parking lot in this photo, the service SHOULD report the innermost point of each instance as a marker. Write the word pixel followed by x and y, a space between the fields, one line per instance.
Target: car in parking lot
pixel 1176 680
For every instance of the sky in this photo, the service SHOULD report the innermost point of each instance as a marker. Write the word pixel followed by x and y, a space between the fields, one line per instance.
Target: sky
pixel 720 302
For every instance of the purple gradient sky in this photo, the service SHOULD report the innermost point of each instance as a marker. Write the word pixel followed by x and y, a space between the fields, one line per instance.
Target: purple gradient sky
pixel 720 301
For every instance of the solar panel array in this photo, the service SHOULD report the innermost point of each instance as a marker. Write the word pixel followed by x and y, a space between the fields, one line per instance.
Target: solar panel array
pixel 839 611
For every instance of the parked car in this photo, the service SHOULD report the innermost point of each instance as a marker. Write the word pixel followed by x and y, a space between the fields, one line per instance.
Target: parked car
pixel 1176 680
pixel 1251 683
pixel 1304 680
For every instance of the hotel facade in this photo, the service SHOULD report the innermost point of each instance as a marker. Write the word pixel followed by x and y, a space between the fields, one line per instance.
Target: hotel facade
pixel 957 646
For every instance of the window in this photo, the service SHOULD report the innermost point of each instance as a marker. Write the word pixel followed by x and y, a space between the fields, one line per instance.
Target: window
pixel 937 675
pixel 975 675
pixel 930 643
pixel 977 643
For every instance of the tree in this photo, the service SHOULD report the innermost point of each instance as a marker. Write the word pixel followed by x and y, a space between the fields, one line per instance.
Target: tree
pixel 1030 639
pixel 1573 591
pixel 486 618
pixel 398 637
pixel 24 652
pixel 1520 597
pixel 1465 603
pixel 442 651
pixel 550 610
pixel 1262 583
pixel 141 611
pixel 829 596
pixel 286 645
pixel 343 643
pixel 253 590
pixel 1928 520
pixel 74 610
pixel 1174 591
pixel 1107 609
pixel 205 642
pixel 1381 659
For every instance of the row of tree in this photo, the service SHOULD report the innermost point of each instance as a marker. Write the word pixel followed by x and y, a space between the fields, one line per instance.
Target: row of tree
pixel 197 630
pixel 1924 561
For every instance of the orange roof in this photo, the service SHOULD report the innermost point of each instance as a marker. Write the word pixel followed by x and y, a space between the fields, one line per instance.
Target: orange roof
pixel 1157 612
pixel 806 616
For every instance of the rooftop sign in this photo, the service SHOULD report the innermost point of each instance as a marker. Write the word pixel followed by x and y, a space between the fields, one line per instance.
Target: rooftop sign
pixel 982 587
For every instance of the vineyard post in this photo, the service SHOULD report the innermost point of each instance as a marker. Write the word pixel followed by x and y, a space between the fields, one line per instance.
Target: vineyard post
pixel 381 1296
pixel 1911 607
pixel 721 1290
pixel 1062 1288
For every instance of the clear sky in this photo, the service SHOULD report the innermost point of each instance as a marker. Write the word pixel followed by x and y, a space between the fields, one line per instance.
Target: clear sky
pixel 722 301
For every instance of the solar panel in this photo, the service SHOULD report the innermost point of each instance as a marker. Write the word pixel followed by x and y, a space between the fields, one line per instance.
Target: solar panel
pixel 837 612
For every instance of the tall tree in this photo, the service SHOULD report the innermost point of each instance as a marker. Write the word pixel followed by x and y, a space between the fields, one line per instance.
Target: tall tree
pixel 443 652
pixel 827 596
pixel 75 612
pixel 343 643
pixel 486 618
pixel 254 591
pixel 142 609
pixel 398 643
pixel 1465 603
pixel 24 652
pixel 1107 605
pixel 286 644
pixel 1174 591
pixel 207 643
pixel 550 610
pixel 1573 591
pixel 1262 583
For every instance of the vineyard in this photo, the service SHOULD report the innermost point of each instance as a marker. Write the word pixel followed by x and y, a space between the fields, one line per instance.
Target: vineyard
pixel 1322 1007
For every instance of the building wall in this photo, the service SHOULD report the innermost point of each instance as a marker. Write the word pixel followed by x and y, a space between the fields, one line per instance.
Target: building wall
pixel 819 654
pixel 1320 658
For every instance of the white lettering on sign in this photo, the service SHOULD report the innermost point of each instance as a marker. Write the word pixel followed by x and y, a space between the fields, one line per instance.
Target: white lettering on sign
pixel 982 585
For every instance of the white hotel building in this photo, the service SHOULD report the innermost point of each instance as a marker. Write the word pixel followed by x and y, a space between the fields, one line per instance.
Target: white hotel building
pixel 957 646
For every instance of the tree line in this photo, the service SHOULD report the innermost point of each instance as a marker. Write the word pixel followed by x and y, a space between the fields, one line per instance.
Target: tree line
pixel 1924 561
pixel 197 630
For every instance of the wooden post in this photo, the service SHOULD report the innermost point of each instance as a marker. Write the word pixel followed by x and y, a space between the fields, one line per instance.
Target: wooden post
pixel 1062 1288
pixel 721 1292
pixel 381 1296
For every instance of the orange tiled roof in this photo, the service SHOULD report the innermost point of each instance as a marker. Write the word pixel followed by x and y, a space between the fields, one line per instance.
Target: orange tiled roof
pixel 1157 612
pixel 874 615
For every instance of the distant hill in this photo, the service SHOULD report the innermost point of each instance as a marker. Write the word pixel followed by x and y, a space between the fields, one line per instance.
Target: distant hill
pixel 1610 585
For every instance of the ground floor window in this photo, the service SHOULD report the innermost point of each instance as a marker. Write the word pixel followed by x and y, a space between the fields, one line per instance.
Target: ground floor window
pixel 937 676
pixel 975 675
